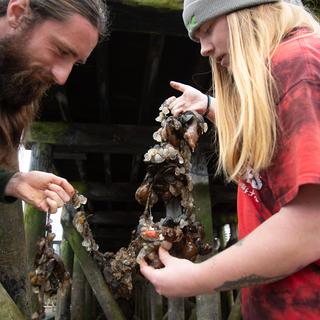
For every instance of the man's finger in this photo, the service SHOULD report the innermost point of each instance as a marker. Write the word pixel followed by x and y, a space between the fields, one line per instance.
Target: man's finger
pixel 60 191
pixel 53 207
pixel 178 86
pixel 63 183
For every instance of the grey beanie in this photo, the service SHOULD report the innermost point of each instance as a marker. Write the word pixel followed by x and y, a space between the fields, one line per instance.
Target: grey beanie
pixel 196 12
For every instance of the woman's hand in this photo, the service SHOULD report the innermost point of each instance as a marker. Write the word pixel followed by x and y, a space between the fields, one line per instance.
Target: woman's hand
pixel 45 191
pixel 190 100
pixel 177 279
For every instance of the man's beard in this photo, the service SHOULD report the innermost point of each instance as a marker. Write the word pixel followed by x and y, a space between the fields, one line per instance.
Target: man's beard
pixel 20 85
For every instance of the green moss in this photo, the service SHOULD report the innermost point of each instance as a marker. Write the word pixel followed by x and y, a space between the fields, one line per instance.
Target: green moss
pixel 160 4
pixel 48 132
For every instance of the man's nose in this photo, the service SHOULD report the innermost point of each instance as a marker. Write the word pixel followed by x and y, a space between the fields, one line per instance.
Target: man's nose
pixel 60 73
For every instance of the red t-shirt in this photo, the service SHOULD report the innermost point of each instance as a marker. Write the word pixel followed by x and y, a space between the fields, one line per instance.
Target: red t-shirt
pixel 296 68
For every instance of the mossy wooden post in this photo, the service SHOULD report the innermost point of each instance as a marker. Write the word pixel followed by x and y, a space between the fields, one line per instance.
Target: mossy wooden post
pixel 156 304
pixel 34 219
pixel 208 305
pixel 8 309
pixel 77 292
pixel 235 313
pixel 175 305
pixel 88 300
pixel 13 254
pixel 64 298
pixel 91 270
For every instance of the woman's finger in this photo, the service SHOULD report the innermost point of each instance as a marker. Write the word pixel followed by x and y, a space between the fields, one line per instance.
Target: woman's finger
pixel 178 86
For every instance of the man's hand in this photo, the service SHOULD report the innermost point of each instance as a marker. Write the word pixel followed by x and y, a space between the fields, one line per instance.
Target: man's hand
pixel 45 191
pixel 177 279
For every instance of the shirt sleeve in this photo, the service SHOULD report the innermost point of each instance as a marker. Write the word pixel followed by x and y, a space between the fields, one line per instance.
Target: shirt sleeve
pixel 5 176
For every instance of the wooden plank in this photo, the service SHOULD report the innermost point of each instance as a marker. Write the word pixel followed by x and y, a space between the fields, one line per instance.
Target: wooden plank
pixel 64 298
pixel 81 138
pixel 175 305
pixel 91 271
pixel 208 305
pixel 91 137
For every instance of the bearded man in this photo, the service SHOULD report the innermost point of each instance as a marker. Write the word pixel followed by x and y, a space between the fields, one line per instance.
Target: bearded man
pixel 40 42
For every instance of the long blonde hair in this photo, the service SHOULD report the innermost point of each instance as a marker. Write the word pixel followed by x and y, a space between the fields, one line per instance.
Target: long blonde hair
pixel 246 117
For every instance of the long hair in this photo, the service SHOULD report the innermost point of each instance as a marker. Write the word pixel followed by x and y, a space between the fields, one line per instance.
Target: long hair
pixel 246 116
pixel 95 11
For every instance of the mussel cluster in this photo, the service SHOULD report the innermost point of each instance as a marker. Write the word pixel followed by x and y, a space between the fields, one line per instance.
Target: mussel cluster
pixel 50 273
pixel 167 179
pixel 168 171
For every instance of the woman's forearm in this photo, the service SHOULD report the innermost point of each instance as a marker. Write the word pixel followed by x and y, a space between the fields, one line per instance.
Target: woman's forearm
pixel 282 245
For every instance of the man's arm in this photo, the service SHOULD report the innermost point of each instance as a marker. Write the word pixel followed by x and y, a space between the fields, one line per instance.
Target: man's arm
pixel 282 245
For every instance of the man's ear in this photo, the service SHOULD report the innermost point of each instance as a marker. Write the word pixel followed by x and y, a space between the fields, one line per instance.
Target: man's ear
pixel 16 11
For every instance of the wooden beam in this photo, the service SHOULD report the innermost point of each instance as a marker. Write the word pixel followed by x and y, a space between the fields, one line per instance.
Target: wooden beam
pixel 81 138
pixel 91 270
pixel 160 4
pixel 146 19
pixel 92 137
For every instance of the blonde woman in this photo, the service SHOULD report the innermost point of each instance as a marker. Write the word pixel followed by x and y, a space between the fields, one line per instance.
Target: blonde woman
pixel 265 59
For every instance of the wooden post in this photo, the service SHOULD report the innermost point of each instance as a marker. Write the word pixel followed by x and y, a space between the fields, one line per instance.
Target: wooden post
pixel 156 304
pixel 34 219
pixel 235 313
pixel 88 299
pixel 208 305
pixel 77 292
pixel 13 254
pixel 64 298
pixel 8 309
pixel 91 270
pixel 175 305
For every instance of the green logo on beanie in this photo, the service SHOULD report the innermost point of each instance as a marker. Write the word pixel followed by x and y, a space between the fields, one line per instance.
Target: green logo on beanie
pixel 192 23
